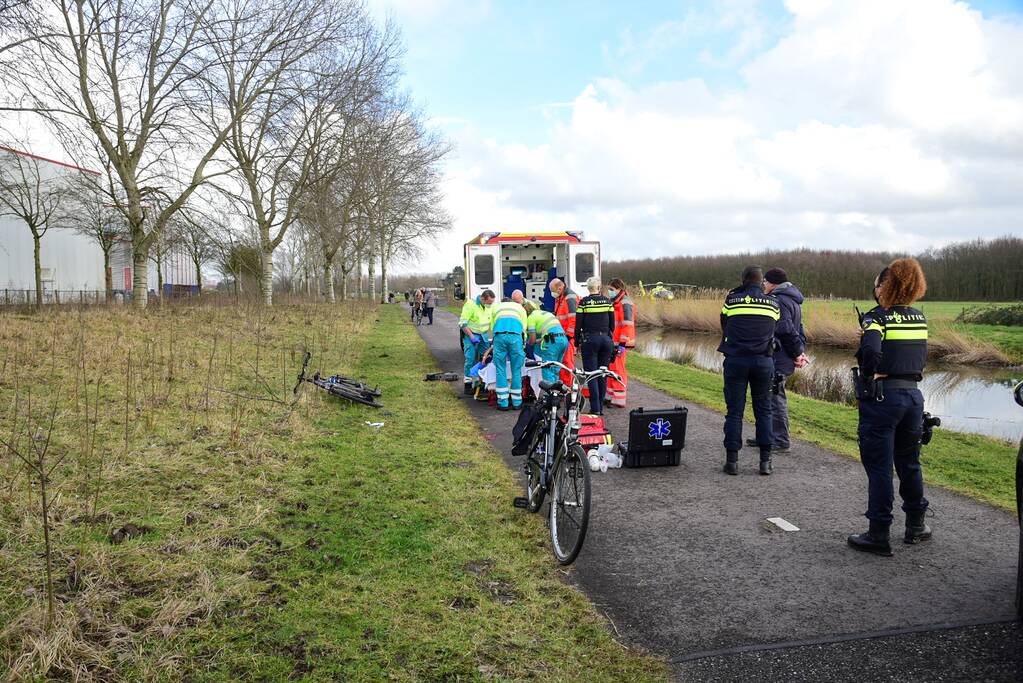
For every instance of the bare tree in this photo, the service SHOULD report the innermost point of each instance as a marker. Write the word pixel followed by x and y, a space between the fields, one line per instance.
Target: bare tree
pixel 278 139
pixel 35 194
pixel 404 209
pixel 90 212
pixel 196 231
pixel 142 76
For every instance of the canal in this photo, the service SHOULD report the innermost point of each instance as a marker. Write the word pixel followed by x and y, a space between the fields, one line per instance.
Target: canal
pixel 967 399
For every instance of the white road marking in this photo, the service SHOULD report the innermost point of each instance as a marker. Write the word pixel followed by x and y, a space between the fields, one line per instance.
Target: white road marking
pixel 783 524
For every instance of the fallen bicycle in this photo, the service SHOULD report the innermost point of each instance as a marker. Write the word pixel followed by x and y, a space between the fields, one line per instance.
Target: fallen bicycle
pixel 340 386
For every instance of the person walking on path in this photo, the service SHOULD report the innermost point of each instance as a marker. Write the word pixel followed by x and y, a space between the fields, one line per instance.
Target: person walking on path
pixel 546 336
pixel 566 303
pixel 474 322
pixel 789 353
pixel 509 327
pixel 417 303
pixel 624 339
pixel 430 302
pixel 748 321
pixel 595 325
pixel 891 358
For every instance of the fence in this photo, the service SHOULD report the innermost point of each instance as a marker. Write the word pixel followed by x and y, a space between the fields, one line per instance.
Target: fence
pixel 71 297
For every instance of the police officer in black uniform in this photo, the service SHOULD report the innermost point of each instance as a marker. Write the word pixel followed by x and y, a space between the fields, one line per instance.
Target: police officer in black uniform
pixel 595 326
pixel 891 358
pixel 748 321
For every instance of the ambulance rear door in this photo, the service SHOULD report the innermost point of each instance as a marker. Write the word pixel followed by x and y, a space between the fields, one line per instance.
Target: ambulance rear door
pixel 482 269
pixel 583 263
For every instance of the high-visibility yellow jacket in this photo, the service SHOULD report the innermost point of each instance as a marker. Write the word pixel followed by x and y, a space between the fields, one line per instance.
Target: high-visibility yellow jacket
pixel 476 316
pixel 541 323
pixel 508 316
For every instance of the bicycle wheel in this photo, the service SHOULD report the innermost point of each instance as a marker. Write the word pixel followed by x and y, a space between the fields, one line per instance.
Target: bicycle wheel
pixel 535 491
pixel 570 504
pixel 342 391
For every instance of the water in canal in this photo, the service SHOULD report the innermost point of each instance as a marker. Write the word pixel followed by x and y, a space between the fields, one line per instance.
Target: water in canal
pixel 968 399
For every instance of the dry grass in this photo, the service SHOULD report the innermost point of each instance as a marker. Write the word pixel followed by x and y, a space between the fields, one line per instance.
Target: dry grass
pixel 168 429
pixel 825 326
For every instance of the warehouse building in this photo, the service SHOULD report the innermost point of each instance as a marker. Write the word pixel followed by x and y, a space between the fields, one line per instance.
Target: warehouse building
pixel 72 263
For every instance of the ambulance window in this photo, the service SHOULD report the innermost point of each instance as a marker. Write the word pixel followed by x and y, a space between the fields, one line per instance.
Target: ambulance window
pixel 583 267
pixel 484 266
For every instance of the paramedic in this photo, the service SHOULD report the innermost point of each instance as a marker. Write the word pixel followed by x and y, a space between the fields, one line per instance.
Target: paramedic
pixel 475 325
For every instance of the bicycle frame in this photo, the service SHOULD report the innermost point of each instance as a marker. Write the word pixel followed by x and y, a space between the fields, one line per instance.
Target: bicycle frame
pixel 565 412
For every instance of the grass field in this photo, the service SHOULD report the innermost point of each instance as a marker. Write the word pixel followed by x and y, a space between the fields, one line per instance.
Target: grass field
pixel 238 537
pixel 980 467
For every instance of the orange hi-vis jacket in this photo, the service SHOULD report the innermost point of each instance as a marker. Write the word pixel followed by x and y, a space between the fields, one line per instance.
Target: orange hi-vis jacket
pixel 564 309
pixel 625 321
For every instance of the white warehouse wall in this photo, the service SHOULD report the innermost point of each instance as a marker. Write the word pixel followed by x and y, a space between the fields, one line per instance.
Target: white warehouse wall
pixel 75 260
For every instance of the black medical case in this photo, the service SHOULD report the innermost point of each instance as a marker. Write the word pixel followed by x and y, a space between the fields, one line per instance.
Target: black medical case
pixel 656 437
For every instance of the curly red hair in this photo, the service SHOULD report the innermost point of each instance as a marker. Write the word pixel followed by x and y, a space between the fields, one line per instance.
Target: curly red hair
pixel 903 283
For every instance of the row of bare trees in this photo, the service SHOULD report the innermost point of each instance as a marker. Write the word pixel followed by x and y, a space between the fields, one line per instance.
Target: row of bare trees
pixel 226 127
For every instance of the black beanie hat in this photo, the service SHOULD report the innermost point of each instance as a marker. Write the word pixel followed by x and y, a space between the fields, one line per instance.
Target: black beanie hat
pixel 776 276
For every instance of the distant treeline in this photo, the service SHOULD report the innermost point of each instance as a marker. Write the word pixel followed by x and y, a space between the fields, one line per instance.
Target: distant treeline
pixel 981 270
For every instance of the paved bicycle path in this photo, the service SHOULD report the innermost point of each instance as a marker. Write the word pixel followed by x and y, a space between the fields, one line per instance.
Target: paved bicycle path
pixel 683 562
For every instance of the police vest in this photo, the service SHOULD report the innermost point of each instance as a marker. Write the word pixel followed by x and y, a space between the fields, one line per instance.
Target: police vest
pixel 903 336
pixel 748 319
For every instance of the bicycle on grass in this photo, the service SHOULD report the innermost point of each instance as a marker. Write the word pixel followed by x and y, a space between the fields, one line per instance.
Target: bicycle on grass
pixel 556 461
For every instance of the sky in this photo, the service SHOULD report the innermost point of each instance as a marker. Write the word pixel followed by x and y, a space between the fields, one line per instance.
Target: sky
pixel 664 128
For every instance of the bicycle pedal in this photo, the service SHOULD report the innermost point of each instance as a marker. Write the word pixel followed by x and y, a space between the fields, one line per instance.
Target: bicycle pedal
pixel 521 502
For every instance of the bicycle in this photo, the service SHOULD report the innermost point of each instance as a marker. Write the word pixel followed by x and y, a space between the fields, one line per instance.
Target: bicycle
pixel 340 386
pixel 556 461
pixel 417 313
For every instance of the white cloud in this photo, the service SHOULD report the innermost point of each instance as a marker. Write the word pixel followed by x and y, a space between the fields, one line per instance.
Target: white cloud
pixel 869 124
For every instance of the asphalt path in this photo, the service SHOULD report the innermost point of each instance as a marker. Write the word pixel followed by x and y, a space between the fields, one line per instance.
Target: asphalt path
pixel 684 563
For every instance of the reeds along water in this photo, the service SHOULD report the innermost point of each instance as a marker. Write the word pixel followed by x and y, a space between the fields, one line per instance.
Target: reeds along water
pixel 825 326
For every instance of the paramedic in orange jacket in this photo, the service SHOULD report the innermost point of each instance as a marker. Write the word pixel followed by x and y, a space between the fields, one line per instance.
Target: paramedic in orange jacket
pixel 565 304
pixel 624 339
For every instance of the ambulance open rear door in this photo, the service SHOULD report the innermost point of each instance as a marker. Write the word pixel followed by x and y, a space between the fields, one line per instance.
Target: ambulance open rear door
pixel 583 263
pixel 483 269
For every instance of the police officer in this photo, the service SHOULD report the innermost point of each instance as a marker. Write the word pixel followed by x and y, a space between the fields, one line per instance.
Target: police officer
pixel 595 326
pixel 891 357
pixel 748 321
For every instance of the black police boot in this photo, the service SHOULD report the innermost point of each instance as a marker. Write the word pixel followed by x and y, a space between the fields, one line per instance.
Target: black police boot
pixel 765 462
pixel 875 540
pixel 732 462
pixel 916 530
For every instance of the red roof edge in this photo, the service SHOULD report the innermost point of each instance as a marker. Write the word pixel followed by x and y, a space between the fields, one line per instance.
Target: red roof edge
pixel 52 161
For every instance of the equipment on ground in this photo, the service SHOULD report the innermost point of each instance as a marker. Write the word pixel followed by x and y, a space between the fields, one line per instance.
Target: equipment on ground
pixel 656 437
pixel 442 377
pixel 340 386
pixel 548 434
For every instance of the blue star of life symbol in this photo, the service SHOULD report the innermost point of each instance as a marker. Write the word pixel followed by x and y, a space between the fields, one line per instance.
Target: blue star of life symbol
pixel 660 429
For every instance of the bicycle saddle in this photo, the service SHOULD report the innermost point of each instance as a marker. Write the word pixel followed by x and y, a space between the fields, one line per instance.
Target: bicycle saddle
pixel 556 385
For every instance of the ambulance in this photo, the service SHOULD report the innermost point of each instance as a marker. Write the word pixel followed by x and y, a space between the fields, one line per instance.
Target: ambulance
pixel 506 261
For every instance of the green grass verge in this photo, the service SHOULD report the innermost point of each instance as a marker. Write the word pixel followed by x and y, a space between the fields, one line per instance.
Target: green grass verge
pixel 977 466
pixel 408 560
pixel 1008 339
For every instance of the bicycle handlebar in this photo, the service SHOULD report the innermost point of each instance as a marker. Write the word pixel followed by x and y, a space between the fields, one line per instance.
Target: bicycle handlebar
pixel 582 375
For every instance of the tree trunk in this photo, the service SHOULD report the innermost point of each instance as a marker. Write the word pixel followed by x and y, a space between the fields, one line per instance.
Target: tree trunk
pixel 39 269
pixel 266 285
pixel 159 277
pixel 140 278
pixel 383 278
pixel 358 275
pixel 108 276
pixel 372 268
pixel 328 282
pixel 344 283
pixel 198 276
